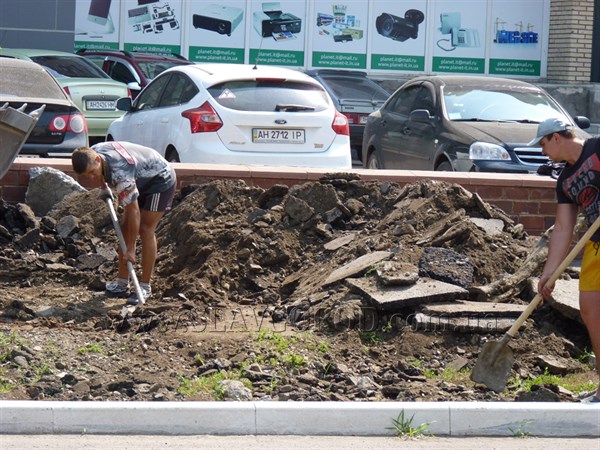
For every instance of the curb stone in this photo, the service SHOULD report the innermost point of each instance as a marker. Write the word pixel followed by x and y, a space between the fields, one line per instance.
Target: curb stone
pixel 299 418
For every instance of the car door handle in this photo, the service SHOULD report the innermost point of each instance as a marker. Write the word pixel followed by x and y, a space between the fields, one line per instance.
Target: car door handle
pixel 164 120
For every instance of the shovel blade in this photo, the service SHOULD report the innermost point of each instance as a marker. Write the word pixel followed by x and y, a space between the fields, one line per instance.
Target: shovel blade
pixel 493 366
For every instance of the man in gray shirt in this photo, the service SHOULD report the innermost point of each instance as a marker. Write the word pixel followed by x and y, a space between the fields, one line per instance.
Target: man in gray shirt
pixel 145 184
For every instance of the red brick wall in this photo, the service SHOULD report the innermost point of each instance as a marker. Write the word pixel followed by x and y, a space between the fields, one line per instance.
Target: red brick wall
pixel 527 199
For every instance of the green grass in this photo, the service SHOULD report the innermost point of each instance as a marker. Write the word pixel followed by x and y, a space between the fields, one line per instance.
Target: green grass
pixel 210 384
pixel 521 430
pixel 404 428
pixel 92 347
pixel 574 382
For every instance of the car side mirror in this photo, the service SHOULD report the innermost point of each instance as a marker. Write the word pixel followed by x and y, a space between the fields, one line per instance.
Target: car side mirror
pixel 420 115
pixel 582 122
pixel 124 104
pixel 134 86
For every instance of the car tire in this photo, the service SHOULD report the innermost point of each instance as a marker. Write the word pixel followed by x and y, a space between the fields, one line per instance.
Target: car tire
pixel 172 156
pixel 373 161
pixel 444 166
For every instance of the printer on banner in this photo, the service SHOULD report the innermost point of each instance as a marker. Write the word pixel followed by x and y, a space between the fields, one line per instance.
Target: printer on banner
pixel 272 20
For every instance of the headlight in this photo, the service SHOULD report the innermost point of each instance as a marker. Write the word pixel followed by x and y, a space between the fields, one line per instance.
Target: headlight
pixel 483 150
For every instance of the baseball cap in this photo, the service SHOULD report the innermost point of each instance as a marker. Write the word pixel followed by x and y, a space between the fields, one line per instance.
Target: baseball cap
pixel 547 127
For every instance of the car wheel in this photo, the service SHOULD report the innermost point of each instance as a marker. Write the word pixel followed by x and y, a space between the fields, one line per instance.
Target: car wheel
pixel 373 161
pixel 172 156
pixel 444 166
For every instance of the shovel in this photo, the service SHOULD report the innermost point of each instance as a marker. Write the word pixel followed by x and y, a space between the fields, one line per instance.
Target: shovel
pixel 496 358
pixel 108 196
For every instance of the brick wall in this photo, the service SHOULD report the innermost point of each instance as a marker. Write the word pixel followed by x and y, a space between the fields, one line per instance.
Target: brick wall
pixel 570 41
pixel 527 199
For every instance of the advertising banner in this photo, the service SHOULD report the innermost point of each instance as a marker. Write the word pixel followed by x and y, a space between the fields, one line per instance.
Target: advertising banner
pixel 398 35
pixel 216 31
pixel 387 37
pixel 97 24
pixel 277 37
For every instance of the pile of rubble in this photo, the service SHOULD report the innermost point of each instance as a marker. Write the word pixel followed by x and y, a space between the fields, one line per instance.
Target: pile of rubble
pixel 389 277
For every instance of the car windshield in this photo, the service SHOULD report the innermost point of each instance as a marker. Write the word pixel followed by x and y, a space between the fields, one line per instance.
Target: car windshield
pixel 151 69
pixel 270 95
pixel 356 88
pixel 489 104
pixel 70 67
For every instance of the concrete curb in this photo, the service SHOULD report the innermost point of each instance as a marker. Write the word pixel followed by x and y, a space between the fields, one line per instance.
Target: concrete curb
pixel 299 418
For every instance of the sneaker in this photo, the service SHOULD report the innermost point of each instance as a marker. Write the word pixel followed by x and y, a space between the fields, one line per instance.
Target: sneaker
pixel 133 298
pixel 117 289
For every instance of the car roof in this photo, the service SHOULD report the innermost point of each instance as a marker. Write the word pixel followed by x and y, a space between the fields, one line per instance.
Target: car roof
pixel 214 73
pixel 473 81
pixel 138 56
pixel 32 52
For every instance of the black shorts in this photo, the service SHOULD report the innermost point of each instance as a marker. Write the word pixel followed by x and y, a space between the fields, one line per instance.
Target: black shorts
pixel 159 201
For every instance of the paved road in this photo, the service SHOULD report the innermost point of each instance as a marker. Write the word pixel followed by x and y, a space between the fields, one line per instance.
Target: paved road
pixel 99 442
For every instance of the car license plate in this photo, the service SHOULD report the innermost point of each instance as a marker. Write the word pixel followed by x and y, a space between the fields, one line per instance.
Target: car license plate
pixel 277 136
pixel 100 104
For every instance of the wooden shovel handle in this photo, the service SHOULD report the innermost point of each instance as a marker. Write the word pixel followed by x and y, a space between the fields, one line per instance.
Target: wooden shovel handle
pixel 557 273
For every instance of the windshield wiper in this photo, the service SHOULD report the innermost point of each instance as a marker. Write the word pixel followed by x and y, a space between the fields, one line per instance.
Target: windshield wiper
pixel 291 108
pixel 475 119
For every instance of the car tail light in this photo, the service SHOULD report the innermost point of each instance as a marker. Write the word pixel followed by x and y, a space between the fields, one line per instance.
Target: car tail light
pixel 357 119
pixel 353 118
pixel 129 93
pixel 67 91
pixel 71 122
pixel 203 119
pixel 340 124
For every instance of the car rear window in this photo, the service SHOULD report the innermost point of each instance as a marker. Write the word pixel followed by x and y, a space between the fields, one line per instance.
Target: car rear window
pixel 30 83
pixel 151 69
pixel 356 88
pixel 72 67
pixel 270 95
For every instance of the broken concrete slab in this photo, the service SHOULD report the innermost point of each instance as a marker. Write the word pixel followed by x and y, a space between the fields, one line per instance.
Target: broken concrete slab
pixel 463 324
pixel 557 365
pixel 425 290
pixel 565 297
pixel 484 309
pixel 490 226
pixel 339 242
pixel 357 266
pixel 396 273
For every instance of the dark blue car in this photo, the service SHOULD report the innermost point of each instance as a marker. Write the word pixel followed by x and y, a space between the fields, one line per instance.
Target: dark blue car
pixel 461 123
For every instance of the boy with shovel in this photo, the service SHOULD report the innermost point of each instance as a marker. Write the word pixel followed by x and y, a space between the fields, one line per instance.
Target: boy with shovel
pixel 578 186
pixel 145 185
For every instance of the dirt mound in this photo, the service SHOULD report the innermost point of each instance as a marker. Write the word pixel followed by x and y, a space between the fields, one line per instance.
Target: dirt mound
pixel 242 292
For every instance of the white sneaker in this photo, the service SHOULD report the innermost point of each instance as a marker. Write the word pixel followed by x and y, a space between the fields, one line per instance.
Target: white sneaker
pixel 117 289
pixel 133 298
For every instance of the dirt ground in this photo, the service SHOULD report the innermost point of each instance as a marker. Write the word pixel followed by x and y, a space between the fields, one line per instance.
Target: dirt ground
pixel 240 295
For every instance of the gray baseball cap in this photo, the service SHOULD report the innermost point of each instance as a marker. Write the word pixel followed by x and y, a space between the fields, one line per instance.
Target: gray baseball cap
pixel 547 127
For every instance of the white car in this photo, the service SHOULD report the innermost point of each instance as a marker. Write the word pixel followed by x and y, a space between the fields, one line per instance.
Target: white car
pixel 237 114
